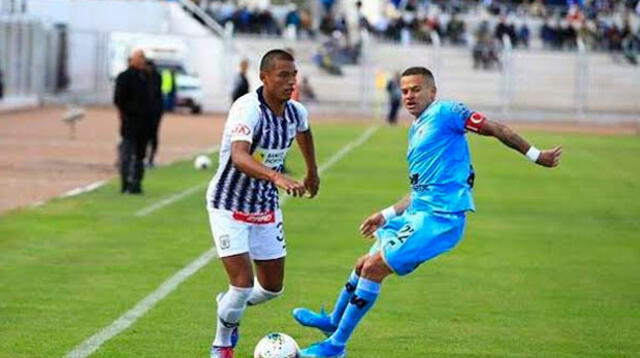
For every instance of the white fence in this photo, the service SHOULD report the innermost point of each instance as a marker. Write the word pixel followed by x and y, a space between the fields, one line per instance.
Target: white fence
pixel 22 57
pixel 531 84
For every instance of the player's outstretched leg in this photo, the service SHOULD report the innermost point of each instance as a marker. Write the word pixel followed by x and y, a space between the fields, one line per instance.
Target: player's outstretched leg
pixel 363 299
pixel 231 306
pixel 373 270
pixel 321 320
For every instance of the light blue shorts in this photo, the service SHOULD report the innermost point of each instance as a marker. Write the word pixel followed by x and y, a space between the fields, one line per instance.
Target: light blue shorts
pixel 414 237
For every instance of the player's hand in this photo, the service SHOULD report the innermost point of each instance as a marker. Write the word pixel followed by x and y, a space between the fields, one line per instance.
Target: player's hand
pixel 312 183
pixel 550 157
pixel 371 224
pixel 290 186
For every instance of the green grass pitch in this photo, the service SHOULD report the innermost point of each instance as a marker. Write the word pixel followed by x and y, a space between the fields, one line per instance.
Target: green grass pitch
pixel 549 265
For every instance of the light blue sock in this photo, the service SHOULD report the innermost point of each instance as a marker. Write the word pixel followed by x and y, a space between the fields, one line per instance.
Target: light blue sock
pixel 344 297
pixel 363 299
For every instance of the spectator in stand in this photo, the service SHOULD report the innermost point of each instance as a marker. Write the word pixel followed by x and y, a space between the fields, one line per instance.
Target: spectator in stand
pixel 505 27
pixel 456 31
pixel 568 35
pixel 631 47
pixel 485 51
pixel 363 22
pixel 293 18
pixel 537 9
pixel 524 35
pixel 327 5
pixel 266 24
pixel 547 34
pixel 327 24
pixel 306 24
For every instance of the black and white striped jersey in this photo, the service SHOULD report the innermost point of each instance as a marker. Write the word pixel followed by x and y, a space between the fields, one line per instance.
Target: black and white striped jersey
pixel 251 120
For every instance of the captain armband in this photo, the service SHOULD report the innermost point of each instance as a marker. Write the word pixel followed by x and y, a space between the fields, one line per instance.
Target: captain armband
pixel 475 122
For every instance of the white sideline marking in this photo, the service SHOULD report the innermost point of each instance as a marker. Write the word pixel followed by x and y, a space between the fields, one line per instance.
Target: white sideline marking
pixel 168 201
pixel 90 345
pixel 347 148
pixel 128 318
pixel 173 198
pixel 96 185
pixel 84 189
pixel 74 192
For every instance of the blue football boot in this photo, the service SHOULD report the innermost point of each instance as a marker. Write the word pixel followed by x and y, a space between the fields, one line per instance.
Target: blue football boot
pixel 323 349
pixel 321 321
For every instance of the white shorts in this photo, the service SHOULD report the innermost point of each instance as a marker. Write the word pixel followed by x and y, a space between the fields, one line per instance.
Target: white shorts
pixel 260 235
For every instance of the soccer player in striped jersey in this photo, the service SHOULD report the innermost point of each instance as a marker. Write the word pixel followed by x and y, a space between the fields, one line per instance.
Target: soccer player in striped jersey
pixel 430 220
pixel 242 198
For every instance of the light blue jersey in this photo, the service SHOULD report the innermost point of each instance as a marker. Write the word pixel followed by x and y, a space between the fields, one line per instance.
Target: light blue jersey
pixel 440 168
pixel 441 180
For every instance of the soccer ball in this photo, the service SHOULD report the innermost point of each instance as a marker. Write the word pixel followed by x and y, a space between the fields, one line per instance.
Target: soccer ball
pixel 202 162
pixel 277 345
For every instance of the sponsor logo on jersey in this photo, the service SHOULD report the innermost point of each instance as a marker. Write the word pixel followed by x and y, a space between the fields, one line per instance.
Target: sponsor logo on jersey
pixel 241 129
pixel 271 158
pixel 266 217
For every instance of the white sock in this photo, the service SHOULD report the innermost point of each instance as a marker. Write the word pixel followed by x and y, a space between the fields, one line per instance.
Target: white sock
pixel 230 310
pixel 260 294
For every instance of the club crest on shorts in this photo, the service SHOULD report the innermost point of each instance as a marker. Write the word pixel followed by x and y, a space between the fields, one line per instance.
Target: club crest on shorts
pixel 224 242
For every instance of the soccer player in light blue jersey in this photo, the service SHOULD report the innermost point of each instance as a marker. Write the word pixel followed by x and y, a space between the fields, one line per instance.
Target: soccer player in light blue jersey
pixel 430 220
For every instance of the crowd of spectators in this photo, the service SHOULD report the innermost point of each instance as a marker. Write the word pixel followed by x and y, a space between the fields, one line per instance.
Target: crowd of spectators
pixel 262 21
pixel 552 24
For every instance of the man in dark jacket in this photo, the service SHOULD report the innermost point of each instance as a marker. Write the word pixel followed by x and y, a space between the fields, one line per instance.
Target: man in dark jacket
pixel 241 83
pixel 155 83
pixel 133 98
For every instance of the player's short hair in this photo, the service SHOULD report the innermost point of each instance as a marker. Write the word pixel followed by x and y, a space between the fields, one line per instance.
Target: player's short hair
pixel 422 71
pixel 270 58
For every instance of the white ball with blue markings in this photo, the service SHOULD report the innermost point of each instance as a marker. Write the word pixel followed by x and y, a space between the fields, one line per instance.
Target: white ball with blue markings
pixel 277 345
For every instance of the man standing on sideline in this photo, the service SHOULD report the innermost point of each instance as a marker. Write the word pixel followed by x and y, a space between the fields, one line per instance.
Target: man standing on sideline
pixel 133 99
pixel 168 80
pixel 393 88
pixel 242 199
pixel 241 83
pixel 157 106
pixel 427 222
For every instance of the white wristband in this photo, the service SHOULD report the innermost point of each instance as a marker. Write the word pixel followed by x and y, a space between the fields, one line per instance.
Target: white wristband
pixel 389 213
pixel 533 154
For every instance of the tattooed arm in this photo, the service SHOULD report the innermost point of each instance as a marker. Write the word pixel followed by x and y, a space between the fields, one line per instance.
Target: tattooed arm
pixel 547 158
